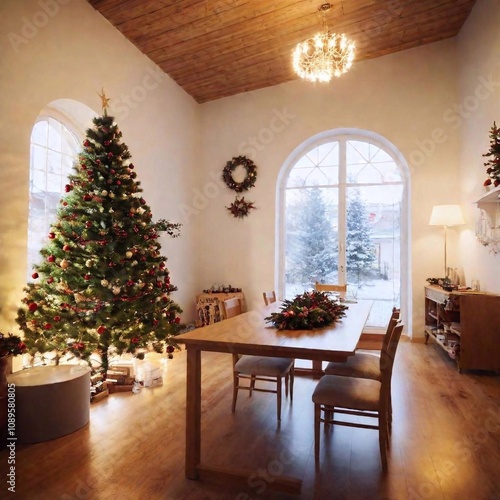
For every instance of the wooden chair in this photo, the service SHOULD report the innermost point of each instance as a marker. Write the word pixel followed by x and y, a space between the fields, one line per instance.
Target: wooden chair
pixel 269 297
pixel 361 397
pixel 366 364
pixel 259 368
pixel 232 307
pixel 323 287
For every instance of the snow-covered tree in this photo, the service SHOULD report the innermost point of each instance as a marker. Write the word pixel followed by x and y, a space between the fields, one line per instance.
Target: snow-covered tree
pixel 314 248
pixel 360 250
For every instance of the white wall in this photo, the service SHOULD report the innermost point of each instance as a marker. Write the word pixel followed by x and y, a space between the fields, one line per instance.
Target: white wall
pixel 67 50
pixel 402 97
pixel 479 98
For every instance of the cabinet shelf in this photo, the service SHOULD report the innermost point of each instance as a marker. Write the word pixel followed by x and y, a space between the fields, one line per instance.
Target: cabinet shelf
pixel 471 338
pixel 492 196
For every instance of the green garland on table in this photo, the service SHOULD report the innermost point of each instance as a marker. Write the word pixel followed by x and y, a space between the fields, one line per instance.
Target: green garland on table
pixel 307 311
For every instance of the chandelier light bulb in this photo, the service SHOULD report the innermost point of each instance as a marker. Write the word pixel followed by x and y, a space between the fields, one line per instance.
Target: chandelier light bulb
pixel 323 56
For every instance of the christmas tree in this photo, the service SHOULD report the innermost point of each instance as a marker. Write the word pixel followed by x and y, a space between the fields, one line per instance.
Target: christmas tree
pixel 493 163
pixel 360 250
pixel 314 255
pixel 102 286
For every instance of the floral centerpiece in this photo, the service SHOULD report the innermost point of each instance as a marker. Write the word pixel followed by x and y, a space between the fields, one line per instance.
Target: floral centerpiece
pixel 307 311
pixel 11 345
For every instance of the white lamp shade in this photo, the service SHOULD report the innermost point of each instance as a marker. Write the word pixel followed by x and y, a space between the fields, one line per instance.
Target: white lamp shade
pixel 446 215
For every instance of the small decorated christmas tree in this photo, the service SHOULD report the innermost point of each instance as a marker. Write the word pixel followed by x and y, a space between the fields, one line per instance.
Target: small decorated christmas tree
pixel 102 285
pixel 493 154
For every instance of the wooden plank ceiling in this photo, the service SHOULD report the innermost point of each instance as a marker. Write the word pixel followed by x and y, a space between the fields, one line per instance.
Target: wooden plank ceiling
pixel 219 48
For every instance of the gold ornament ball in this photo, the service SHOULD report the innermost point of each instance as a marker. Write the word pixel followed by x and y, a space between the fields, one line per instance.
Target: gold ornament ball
pixel 64 264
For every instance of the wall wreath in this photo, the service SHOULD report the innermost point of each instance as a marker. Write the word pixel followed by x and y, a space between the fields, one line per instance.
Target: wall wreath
pixel 247 182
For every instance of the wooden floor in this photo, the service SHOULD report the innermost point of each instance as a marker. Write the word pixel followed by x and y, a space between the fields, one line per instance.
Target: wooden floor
pixel 445 442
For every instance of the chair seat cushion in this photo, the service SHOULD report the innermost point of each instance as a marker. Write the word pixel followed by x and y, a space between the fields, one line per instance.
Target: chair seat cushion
pixel 346 392
pixel 263 365
pixel 362 364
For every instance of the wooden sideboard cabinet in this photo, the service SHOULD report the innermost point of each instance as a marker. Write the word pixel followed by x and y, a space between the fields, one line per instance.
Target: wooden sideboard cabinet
pixel 466 325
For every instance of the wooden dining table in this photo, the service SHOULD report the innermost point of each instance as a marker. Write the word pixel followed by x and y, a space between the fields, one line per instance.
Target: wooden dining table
pixel 249 333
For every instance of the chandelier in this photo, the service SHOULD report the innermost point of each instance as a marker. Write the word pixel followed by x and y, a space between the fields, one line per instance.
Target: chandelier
pixel 319 58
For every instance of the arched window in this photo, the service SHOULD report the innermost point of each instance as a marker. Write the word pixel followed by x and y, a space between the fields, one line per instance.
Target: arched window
pixel 54 148
pixel 342 198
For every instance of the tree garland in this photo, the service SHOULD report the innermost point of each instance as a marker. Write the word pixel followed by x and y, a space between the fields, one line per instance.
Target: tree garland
pixel 247 182
pixel 307 311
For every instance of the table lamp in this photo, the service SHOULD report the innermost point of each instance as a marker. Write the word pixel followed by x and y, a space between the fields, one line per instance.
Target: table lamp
pixel 446 216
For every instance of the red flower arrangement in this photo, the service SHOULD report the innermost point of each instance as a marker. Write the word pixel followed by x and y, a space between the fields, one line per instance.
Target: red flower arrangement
pixel 11 345
pixel 307 311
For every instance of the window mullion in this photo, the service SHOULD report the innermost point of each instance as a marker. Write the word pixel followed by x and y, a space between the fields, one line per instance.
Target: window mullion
pixel 342 274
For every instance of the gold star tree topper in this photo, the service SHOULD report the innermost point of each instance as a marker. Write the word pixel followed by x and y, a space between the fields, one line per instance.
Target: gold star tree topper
pixel 104 102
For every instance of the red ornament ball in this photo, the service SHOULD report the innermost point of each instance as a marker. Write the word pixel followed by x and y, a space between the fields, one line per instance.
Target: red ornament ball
pixel 131 166
pixel 51 258
pixel 52 235
pixel 47 326
pixel 34 276
pixel 87 277
pixel 66 248
pixel 170 349
pixel 57 318
pixel 33 307
pixel 68 188
pixel 101 329
pixel 50 280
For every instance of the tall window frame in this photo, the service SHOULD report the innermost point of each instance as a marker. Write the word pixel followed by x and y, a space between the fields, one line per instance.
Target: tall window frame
pixel 54 146
pixel 343 135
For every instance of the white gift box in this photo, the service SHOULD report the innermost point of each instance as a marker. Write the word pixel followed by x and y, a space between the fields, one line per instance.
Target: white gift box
pixel 149 374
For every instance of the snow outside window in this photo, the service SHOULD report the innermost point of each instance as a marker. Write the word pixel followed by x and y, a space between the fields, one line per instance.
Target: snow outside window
pixel 342 209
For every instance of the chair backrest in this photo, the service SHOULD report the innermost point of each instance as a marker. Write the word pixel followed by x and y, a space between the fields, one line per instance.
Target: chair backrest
pixel 269 297
pixel 393 321
pixel 232 307
pixel 388 352
pixel 324 287
pixel 387 364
